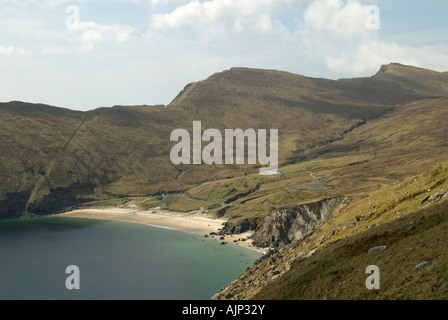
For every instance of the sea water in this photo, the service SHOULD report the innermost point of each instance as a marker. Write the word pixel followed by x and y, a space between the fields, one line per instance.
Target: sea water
pixel 116 261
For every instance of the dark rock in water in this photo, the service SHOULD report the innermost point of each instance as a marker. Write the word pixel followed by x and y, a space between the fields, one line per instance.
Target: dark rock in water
pixel 377 249
pixel 223 243
pixel 422 265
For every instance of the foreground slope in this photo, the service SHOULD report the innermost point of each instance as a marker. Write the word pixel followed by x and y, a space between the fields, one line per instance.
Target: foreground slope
pixel 339 271
pixel 409 219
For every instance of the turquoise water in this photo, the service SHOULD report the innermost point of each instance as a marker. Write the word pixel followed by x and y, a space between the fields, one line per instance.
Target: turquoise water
pixel 117 261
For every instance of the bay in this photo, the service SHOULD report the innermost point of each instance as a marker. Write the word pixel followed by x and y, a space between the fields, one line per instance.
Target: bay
pixel 117 261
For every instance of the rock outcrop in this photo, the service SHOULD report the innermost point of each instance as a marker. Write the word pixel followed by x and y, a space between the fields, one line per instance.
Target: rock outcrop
pixel 285 226
pixel 377 249
pixel 244 226
pixel 436 196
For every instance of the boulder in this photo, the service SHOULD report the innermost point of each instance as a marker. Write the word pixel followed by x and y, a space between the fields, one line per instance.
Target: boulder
pixel 350 225
pixel 443 286
pixel 425 199
pixel 272 275
pixel 422 265
pixel 377 249
pixel 311 253
pixel 436 197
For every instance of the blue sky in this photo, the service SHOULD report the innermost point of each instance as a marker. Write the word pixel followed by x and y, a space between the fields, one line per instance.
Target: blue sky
pixel 127 52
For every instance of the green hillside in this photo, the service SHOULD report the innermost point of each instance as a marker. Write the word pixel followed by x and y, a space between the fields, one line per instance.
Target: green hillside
pixel 412 232
pixel 54 159
pixel 410 219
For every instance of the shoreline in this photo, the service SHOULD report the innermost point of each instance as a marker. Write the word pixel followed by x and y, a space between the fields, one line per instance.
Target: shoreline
pixel 192 222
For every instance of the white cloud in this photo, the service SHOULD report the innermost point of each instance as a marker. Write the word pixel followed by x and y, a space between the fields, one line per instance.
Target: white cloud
pixel 339 18
pixel 4 51
pixel 263 23
pixel 85 48
pixel 158 2
pixel 334 33
pixel 369 56
pixel 54 50
pixel 217 17
pixel 48 4
pixel 11 50
pixel 52 3
pixel 91 35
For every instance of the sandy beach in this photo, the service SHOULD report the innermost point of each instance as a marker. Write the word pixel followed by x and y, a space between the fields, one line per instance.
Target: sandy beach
pixel 194 222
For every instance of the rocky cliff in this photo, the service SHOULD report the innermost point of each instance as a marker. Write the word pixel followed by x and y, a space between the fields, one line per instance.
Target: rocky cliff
pixel 285 226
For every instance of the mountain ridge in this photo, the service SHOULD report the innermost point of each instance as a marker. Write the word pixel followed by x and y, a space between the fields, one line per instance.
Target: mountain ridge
pixel 123 151
pixel 270 78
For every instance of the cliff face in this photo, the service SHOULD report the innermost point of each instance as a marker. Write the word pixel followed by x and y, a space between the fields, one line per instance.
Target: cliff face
pixel 244 226
pixel 284 230
pixel 285 226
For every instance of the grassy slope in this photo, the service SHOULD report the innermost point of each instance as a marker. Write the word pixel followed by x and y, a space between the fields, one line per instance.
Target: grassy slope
pixel 383 151
pixel 337 269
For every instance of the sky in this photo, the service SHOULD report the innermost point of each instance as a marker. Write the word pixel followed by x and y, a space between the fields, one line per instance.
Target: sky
pixel 84 54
